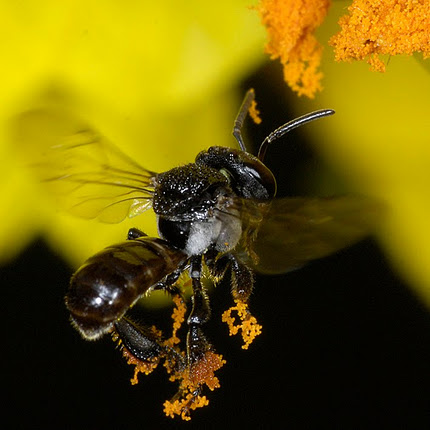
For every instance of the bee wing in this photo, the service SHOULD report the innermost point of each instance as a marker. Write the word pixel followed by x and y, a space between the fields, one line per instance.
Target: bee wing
pixel 289 232
pixel 90 176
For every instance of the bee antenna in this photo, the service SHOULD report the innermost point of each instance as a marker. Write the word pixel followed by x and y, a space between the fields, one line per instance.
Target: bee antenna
pixel 240 118
pixel 284 129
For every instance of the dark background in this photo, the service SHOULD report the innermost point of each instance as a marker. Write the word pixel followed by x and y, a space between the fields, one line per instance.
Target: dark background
pixel 345 343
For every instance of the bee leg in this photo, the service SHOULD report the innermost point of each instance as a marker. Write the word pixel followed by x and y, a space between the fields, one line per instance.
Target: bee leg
pixel 143 347
pixel 210 257
pixel 217 266
pixel 135 233
pixel 202 361
pixel 242 282
pixel 167 283
pixel 141 342
pixel 200 313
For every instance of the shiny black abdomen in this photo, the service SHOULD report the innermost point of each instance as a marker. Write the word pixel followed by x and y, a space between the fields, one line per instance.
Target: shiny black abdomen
pixel 108 283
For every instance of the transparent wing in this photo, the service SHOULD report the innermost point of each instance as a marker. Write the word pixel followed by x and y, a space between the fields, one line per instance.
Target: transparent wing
pixel 90 176
pixel 286 233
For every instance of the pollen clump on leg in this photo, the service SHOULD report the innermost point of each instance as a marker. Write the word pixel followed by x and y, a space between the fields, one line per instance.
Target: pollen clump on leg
pixel 193 378
pixel 145 367
pixel 290 26
pixel 383 27
pixel 141 366
pixel 248 325
pixel 178 317
pixel 202 372
pixel 183 407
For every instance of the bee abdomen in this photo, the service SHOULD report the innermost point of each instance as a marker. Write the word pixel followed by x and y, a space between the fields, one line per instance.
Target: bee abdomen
pixel 108 283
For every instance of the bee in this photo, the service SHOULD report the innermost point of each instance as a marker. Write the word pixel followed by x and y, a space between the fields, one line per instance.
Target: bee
pixel 218 214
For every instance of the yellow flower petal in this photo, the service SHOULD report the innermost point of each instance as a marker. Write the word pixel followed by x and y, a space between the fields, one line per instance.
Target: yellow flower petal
pixel 380 140
pixel 152 77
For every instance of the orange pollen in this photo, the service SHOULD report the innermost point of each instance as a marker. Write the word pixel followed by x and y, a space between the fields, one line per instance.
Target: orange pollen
pixel 290 26
pixel 248 325
pixel 383 27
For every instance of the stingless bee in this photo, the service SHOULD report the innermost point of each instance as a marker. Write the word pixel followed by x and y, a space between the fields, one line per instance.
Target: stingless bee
pixel 219 213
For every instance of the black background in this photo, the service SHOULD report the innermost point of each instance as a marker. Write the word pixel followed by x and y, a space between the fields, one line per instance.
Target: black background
pixel 345 343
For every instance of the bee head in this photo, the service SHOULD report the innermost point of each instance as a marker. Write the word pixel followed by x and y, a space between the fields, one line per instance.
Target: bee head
pixel 249 177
